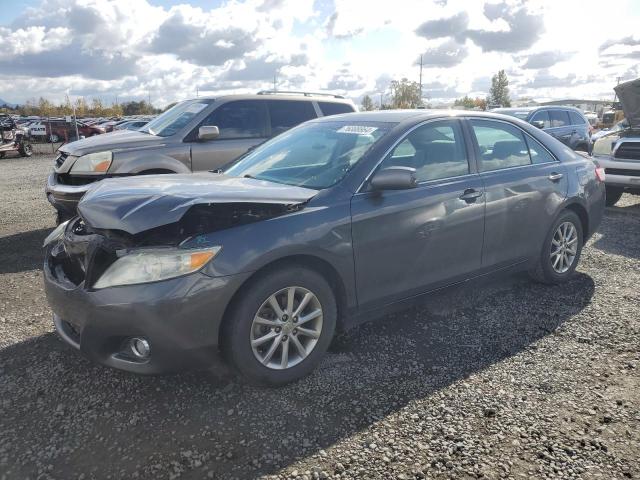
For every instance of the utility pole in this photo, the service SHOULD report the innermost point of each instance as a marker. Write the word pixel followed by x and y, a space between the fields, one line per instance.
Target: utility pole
pixel 615 95
pixel 420 77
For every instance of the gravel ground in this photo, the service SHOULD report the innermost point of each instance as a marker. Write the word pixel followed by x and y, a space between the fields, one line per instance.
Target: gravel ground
pixel 509 379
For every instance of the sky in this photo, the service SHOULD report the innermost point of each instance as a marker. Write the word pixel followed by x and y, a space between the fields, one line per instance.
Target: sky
pixel 169 50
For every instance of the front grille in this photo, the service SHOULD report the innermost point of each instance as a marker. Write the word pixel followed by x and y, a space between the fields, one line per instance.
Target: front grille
pixel 66 179
pixel 60 159
pixel 622 171
pixel 628 150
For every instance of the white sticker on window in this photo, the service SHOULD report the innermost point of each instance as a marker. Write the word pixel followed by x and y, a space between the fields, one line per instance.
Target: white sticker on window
pixel 357 129
pixel 195 108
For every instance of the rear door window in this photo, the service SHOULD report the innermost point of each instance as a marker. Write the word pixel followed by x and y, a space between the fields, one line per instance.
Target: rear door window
pixel 330 108
pixel 559 118
pixel 542 116
pixel 239 119
pixel 289 113
pixel 576 118
pixel 501 145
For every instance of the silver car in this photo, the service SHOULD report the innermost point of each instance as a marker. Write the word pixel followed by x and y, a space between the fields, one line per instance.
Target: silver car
pixel 196 134
pixel 619 151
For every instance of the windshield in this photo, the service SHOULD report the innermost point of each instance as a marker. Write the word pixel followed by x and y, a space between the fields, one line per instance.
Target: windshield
pixel 315 155
pixel 175 118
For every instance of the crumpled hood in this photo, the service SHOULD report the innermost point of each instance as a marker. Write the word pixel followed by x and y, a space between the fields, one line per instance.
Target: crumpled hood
pixel 118 140
pixel 139 203
pixel 629 95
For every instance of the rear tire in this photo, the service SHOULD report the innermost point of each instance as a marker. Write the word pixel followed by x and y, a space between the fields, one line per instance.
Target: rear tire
pixel 613 194
pixel 560 256
pixel 251 319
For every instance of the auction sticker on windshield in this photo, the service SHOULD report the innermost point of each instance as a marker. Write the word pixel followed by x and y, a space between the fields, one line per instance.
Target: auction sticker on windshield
pixel 357 129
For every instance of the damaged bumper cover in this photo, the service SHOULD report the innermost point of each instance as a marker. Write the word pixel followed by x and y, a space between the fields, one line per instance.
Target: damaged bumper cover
pixel 179 317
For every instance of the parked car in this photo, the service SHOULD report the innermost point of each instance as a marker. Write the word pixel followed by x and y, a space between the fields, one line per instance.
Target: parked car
pixel 131 125
pixel 198 134
pixel 86 129
pixel 334 222
pixel 619 150
pixel 567 124
pixel 13 138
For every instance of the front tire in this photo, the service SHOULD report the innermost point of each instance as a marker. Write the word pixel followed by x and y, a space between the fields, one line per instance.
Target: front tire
pixel 561 250
pixel 280 328
pixel 25 149
pixel 613 194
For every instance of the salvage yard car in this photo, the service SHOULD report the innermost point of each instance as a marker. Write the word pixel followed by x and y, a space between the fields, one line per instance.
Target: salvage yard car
pixel 334 222
pixel 13 138
pixel 567 124
pixel 619 151
pixel 198 134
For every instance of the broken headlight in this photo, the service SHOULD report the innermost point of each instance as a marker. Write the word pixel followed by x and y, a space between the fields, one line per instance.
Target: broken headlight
pixel 93 163
pixel 56 234
pixel 151 265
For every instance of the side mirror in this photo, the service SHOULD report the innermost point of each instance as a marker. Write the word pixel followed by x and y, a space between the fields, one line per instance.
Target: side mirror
pixel 394 178
pixel 538 123
pixel 206 133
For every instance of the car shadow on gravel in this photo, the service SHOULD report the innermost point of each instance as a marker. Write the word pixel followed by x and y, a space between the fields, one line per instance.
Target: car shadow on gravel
pixel 65 416
pixel 619 231
pixel 17 251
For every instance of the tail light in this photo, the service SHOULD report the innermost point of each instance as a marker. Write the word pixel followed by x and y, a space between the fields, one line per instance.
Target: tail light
pixel 600 174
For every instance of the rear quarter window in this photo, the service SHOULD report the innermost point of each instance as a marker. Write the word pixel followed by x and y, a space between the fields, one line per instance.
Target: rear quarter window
pixel 329 108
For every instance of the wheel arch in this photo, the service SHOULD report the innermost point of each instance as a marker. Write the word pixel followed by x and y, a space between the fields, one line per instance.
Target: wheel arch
pixel 582 214
pixel 312 262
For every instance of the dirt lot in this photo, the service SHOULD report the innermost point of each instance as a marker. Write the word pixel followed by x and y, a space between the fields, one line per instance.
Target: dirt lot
pixel 514 380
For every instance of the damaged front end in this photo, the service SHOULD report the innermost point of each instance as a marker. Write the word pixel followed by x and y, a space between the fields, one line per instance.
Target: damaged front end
pixel 84 256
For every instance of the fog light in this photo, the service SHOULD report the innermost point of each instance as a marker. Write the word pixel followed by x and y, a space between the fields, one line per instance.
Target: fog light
pixel 140 348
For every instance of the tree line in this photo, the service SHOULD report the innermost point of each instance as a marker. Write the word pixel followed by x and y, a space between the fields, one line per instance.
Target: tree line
pixel 407 94
pixel 95 108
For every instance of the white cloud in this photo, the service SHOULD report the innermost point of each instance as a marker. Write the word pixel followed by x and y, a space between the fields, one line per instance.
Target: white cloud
pixel 132 48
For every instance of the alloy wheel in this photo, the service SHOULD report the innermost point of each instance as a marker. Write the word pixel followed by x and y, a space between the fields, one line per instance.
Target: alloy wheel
pixel 564 247
pixel 286 328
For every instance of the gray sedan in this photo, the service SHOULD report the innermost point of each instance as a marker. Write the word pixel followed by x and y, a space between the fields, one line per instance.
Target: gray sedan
pixel 334 222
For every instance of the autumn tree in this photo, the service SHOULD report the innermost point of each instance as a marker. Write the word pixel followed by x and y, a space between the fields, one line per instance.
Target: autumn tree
pixel 499 92
pixel 367 103
pixel 469 103
pixel 405 94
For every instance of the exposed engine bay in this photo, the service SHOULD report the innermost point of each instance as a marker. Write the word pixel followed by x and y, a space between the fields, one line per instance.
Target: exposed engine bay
pixel 199 219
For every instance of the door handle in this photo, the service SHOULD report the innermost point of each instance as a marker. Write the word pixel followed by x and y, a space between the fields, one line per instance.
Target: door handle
pixel 555 176
pixel 470 195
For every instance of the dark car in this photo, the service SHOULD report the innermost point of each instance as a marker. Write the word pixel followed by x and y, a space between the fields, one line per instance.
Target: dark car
pixel 567 124
pixel 334 222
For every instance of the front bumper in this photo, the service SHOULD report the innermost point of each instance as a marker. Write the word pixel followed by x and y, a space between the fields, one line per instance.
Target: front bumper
pixel 64 198
pixel 620 173
pixel 180 318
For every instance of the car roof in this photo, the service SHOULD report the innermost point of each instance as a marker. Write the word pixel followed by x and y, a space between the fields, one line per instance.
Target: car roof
pixel 539 107
pixel 282 96
pixel 416 115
